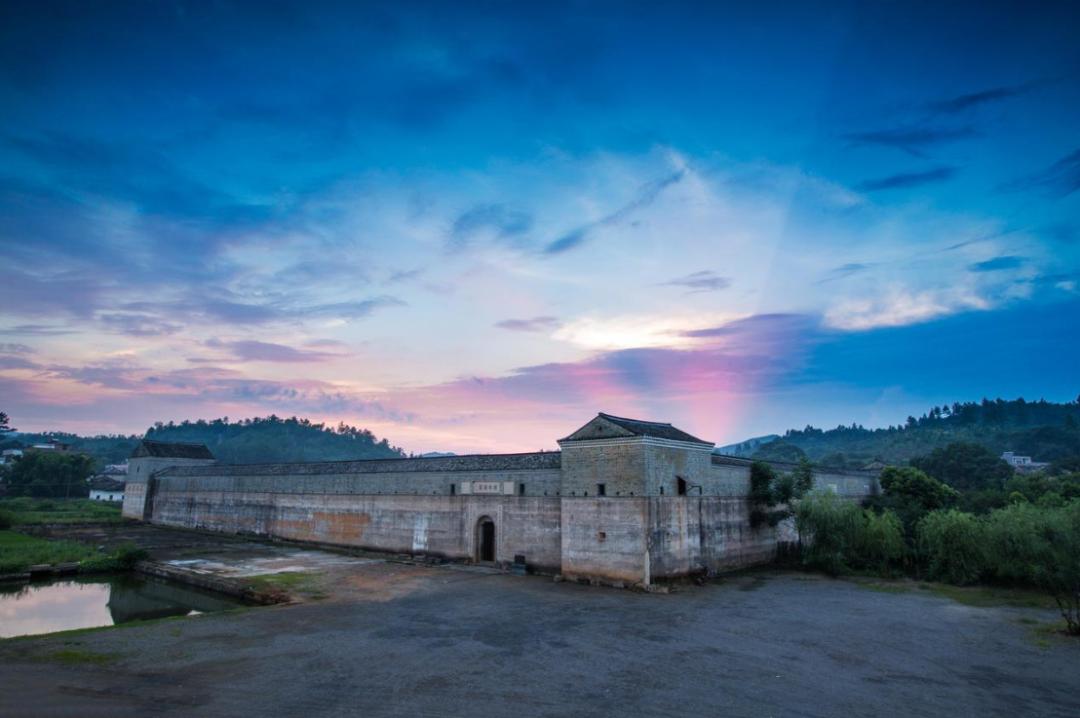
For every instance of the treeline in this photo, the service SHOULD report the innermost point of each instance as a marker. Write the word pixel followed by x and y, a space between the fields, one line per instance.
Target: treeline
pixel 274 439
pixel 1045 430
pixel 913 527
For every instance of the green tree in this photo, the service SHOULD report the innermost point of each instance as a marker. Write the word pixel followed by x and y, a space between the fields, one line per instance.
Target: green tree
pixel 911 494
pixel 779 450
pixel 965 466
pixel 4 425
pixel 1039 546
pixel 50 474
pixel 952 546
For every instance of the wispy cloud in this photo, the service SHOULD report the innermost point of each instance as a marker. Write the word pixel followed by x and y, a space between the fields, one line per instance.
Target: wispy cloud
pixel 1058 180
pixel 703 281
pixel 997 263
pixel 913 140
pixel 845 270
pixel 535 324
pixel 900 306
pixel 966 101
pixel 250 350
pixel 646 196
pixel 499 221
pixel 908 179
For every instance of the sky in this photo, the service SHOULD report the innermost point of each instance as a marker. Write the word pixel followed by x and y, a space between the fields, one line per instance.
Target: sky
pixel 471 226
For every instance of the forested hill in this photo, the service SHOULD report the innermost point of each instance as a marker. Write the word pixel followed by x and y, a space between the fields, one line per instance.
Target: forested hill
pixel 273 439
pixel 1044 430
pixel 259 440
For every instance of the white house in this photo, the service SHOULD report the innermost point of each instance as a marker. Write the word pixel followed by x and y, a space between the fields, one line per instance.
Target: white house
pixel 104 488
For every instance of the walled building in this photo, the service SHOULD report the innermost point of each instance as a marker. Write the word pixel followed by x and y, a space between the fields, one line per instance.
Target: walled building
pixel 622 501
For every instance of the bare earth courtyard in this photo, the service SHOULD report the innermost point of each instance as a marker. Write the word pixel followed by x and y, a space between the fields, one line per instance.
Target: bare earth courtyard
pixel 408 640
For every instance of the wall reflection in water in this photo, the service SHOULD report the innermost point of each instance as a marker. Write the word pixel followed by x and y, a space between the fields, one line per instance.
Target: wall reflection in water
pixel 45 607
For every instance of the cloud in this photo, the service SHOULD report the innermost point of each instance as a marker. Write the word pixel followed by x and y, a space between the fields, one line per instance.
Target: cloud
pixel 913 140
pixel 967 101
pixel 140 175
pixel 846 270
pixel 40 330
pixel 900 306
pixel 997 263
pixel 646 196
pixel 703 281
pixel 910 179
pixel 535 324
pixel 15 348
pixel 137 325
pixel 496 220
pixel 49 294
pixel 1058 180
pixel 248 350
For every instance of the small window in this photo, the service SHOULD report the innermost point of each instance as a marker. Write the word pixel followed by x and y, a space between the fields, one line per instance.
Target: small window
pixel 601 489
pixel 521 489
pixel 601 535
pixel 453 489
pixel 681 483
pixel 661 490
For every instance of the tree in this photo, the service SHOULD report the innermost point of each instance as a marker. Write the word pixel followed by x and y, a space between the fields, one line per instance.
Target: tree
pixel 50 474
pixel 779 450
pixel 965 466
pixel 4 427
pixel 911 494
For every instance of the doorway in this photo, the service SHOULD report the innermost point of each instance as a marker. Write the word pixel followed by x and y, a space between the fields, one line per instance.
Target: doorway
pixel 485 539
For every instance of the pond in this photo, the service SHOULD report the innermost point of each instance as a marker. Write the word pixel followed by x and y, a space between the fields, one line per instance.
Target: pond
pixel 105 600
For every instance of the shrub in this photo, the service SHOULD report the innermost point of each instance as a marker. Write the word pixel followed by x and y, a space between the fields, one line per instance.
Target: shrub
pixel 1039 546
pixel 880 544
pixel 951 546
pixel 123 558
pixel 6 519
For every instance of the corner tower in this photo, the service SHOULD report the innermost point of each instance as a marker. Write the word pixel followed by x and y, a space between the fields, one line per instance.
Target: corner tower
pixel 147 459
pixel 613 456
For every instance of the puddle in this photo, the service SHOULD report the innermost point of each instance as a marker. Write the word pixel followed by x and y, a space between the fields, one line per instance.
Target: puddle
pixel 86 602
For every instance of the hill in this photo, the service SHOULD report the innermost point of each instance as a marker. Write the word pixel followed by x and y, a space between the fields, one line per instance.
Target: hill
pixel 1046 431
pixel 270 439
pixel 273 440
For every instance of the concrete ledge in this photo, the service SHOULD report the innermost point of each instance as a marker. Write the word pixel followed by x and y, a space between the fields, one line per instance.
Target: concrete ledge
pixel 227 586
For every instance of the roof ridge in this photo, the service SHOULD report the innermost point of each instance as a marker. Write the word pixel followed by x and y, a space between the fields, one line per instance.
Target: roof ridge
pixel 636 421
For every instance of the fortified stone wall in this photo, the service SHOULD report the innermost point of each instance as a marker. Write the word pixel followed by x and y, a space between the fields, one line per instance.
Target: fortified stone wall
pixel 537 503
pixel 438 525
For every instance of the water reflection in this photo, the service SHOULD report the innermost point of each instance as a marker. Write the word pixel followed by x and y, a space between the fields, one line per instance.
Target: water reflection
pixel 84 602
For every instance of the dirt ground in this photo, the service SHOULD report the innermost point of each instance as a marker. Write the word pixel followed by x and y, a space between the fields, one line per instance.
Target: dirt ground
pixel 394 639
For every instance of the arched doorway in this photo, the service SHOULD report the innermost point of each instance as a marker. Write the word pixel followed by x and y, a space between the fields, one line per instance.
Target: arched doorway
pixel 485 539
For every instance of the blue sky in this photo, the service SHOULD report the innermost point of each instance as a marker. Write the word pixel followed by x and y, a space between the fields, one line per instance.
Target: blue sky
pixel 470 226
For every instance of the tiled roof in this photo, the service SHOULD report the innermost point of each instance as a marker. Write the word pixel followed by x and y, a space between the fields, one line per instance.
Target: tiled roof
pixel 171 450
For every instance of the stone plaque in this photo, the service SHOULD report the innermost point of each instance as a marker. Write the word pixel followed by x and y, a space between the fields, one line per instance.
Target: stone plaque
pixel 487 487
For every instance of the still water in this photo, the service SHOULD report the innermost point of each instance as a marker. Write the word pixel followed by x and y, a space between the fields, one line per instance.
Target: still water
pixel 84 602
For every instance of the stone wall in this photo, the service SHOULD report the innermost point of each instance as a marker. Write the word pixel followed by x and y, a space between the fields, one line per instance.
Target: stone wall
pixel 537 502
pixel 429 525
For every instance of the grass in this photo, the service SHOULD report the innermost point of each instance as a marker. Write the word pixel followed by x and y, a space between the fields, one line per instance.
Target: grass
pixel 79 657
pixel 18 551
pixel 990 596
pixel 981 596
pixel 26 511
pixel 304 584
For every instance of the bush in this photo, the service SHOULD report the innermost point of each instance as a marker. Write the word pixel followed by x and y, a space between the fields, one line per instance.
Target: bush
pixel 951 546
pixel 6 519
pixel 1039 546
pixel 880 545
pixel 123 558
pixel 837 536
